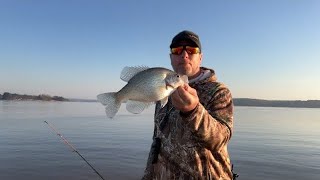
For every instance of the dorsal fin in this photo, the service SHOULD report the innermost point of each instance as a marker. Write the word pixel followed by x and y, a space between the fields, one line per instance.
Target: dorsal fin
pixel 128 72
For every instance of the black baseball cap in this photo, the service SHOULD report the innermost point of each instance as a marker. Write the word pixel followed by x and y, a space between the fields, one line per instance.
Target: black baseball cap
pixel 186 36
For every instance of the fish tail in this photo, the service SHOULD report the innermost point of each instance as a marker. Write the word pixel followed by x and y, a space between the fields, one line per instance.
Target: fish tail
pixel 111 102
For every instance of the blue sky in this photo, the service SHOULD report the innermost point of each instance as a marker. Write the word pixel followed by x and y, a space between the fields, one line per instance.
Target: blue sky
pixel 266 49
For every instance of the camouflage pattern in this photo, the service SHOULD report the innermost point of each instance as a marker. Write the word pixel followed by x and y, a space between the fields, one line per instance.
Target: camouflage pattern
pixel 193 145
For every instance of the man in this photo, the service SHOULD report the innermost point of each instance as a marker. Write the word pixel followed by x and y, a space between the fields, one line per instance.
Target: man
pixel 192 131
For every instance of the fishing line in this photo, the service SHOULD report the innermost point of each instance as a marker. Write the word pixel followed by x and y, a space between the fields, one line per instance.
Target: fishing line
pixel 74 149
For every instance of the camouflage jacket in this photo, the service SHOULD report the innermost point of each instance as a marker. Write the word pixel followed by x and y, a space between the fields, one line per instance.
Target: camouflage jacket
pixel 193 145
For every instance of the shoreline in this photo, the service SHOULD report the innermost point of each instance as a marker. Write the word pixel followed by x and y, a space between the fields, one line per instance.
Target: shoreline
pixel 247 102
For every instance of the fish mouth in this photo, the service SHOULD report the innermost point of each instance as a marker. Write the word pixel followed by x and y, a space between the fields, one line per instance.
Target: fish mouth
pixel 185 78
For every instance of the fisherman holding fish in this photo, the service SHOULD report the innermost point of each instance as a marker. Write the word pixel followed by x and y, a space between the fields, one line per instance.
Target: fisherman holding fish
pixel 192 130
pixel 193 115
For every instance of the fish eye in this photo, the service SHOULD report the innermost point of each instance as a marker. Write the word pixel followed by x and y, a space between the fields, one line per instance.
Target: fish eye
pixel 178 76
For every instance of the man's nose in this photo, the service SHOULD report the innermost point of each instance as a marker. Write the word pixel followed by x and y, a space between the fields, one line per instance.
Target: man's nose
pixel 184 54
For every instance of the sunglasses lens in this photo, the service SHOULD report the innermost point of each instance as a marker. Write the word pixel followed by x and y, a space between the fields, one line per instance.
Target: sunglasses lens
pixel 192 50
pixel 177 50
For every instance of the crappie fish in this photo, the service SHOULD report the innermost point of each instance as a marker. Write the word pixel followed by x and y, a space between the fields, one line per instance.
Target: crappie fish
pixel 145 86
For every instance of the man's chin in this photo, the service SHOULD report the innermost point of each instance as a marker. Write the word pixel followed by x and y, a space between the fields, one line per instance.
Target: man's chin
pixel 184 71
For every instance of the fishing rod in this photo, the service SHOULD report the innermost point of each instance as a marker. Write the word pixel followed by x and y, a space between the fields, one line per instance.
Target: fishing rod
pixel 74 149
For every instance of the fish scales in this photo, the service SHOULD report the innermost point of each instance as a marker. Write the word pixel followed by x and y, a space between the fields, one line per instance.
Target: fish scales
pixel 145 86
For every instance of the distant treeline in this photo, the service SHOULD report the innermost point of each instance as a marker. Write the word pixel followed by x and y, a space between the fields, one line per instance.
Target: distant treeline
pixel 41 97
pixel 276 103
pixel 237 101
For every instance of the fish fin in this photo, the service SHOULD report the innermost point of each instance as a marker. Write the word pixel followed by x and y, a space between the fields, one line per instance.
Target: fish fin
pixel 136 107
pixel 111 103
pixel 128 72
pixel 163 102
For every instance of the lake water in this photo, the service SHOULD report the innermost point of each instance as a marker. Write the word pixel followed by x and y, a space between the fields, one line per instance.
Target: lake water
pixel 267 144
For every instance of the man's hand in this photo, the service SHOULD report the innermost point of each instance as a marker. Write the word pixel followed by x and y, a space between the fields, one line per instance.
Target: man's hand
pixel 185 98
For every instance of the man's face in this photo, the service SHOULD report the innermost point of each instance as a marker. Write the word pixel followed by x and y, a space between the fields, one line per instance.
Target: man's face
pixel 186 63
